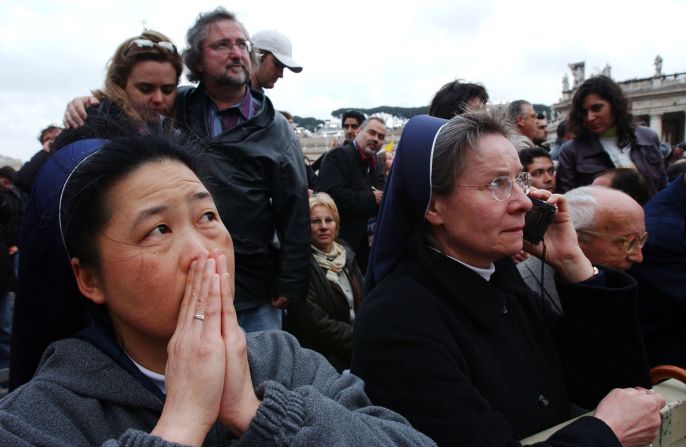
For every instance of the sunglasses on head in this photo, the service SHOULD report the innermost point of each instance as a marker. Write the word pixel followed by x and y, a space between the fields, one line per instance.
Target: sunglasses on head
pixel 149 44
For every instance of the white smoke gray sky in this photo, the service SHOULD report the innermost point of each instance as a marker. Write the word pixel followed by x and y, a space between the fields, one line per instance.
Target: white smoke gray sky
pixel 355 53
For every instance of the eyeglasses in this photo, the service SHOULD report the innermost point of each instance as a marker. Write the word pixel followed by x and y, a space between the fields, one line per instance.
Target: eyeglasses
pixel 501 187
pixel 630 241
pixel 224 46
pixel 149 44
pixel 350 126
pixel 539 172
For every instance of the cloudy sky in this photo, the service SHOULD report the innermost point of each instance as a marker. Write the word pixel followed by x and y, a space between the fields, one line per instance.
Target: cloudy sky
pixel 355 53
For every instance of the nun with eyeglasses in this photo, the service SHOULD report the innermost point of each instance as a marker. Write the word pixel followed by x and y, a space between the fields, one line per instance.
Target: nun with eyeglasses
pixel 450 336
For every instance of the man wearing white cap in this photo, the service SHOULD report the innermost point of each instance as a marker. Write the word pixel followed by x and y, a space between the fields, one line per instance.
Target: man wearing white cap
pixel 274 52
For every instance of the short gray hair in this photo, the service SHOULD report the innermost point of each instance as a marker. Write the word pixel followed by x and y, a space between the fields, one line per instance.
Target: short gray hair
pixel 196 35
pixel 456 137
pixel 372 118
pixel 583 206
pixel 514 109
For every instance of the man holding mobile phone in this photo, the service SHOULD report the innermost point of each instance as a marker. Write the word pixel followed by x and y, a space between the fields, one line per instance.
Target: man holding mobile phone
pixel 611 231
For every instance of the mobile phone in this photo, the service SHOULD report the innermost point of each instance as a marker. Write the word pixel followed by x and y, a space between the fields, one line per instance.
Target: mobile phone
pixel 537 220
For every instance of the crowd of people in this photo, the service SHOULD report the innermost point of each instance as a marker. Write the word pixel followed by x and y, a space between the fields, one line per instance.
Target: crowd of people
pixel 183 277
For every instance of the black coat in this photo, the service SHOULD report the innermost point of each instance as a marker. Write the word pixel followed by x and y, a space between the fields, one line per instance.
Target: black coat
pixel 6 215
pixel 662 276
pixel 321 322
pixel 14 200
pixel 471 362
pixel 260 187
pixel 349 180
pixel 29 170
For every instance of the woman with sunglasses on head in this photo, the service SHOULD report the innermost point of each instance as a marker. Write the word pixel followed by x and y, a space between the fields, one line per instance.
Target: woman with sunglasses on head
pixel 147 349
pixel 451 337
pixel 140 85
pixel 605 137
pixel 137 98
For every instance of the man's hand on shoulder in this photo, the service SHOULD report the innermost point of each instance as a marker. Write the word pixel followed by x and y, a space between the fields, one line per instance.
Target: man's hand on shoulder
pixel 280 302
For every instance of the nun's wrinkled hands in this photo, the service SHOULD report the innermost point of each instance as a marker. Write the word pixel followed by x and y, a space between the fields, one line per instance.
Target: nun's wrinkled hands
pixel 196 361
pixel 561 242
pixel 238 400
pixel 75 114
pixel 633 414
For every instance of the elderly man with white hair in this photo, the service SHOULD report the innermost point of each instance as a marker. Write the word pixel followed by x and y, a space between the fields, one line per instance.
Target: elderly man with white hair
pixel 611 231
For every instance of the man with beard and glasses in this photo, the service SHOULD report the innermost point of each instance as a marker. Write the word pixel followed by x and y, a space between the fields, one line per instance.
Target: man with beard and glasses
pixel 262 189
pixel 257 164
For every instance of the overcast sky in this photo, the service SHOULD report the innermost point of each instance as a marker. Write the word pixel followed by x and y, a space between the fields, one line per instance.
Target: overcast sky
pixel 355 53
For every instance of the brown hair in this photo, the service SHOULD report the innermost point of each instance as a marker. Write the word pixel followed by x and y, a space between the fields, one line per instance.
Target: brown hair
pixel 607 89
pixel 125 58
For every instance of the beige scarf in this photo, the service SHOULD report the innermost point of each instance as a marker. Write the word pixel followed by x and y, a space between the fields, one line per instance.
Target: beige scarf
pixel 333 261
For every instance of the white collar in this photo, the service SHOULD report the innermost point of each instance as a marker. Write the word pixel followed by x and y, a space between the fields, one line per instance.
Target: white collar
pixel 157 379
pixel 484 273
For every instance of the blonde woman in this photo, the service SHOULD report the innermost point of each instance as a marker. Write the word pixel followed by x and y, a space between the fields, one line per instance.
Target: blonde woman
pixel 324 320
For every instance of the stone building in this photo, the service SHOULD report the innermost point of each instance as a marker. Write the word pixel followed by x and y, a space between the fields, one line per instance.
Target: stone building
pixel 658 102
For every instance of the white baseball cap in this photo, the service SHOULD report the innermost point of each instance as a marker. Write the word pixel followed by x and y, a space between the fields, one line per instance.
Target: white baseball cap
pixel 279 45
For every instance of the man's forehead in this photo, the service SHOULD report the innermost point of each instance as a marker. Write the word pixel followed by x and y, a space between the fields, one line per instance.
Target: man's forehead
pixel 621 223
pixel 542 160
pixel 50 134
pixel 620 213
pixel 226 25
pixel 376 125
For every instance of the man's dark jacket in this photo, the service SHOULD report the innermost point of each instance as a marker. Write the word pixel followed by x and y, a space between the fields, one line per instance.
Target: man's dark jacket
pixel 349 179
pixel 29 170
pixel 261 190
pixel 662 276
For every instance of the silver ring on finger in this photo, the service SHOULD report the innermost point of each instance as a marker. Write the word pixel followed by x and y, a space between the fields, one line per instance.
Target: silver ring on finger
pixel 200 317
